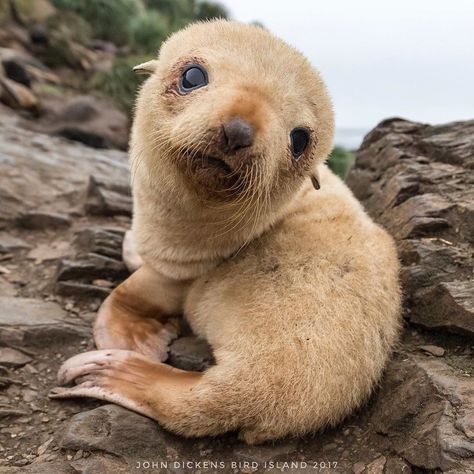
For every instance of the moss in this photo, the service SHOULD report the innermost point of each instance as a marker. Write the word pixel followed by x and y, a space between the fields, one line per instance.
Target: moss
pixel 340 161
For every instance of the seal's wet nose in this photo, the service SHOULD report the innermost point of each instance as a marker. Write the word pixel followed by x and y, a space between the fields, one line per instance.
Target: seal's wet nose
pixel 238 134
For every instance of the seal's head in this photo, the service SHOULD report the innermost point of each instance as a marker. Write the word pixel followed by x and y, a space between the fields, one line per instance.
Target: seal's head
pixel 232 111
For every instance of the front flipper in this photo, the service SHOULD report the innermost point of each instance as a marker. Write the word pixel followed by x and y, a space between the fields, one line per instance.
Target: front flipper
pixel 140 314
pixel 124 377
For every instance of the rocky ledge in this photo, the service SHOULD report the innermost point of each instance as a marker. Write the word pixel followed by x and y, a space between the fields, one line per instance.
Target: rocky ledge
pixel 64 209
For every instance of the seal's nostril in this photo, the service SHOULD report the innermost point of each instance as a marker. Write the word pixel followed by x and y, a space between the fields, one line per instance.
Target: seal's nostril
pixel 238 134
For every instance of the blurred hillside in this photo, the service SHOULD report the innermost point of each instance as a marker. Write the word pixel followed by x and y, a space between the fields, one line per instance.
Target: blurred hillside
pixel 67 64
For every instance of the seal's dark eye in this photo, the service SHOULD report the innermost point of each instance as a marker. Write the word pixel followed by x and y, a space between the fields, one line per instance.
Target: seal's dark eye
pixel 299 141
pixel 193 77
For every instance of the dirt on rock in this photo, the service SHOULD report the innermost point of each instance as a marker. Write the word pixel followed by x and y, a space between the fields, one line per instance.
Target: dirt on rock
pixel 63 213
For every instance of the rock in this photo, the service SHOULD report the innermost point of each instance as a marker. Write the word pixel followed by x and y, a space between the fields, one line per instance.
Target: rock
pixel 397 466
pixel 448 305
pixel 90 120
pixel 107 197
pixel 417 181
pixel 265 453
pixel 358 468
pixel 28 11
pixel 117 431
pixel 91 267
pixel 12 358
pixel 47 252
pixel 420 405
pixel 82 290
pixel 17 96
pixel 36 220
pixel 56 467
pixel 9 243
pixel 43 447
pixel 190 353
pixel 102 464
pixel 11 412
pixel 34 322
pixel 433 350
pixel 15 71
pixel 377 466
pixel 55 173
pixel 100 240
pixel 6 288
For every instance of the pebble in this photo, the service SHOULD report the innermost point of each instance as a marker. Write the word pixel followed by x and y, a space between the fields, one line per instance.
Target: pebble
pixel 30 395
pixel 358 468
pixel 433 350
pixel 42 449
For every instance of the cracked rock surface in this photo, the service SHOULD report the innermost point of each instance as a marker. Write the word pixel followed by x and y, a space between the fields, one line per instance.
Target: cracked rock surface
pixel 64 210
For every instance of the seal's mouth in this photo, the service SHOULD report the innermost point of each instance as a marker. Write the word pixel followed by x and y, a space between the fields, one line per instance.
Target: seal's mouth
pixel 211 162
pixel 204 161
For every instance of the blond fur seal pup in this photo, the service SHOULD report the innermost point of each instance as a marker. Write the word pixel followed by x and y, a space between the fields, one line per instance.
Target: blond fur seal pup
pixel 295 288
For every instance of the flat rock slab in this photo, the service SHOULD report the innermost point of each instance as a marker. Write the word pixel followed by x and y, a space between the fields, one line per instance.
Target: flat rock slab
pixel 9 243
pixel 117 431
pixel 33 321
pixel 12 358
pixel 49 173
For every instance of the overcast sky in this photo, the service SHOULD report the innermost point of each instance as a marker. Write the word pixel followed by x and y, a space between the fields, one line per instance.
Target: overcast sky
pixel 409 58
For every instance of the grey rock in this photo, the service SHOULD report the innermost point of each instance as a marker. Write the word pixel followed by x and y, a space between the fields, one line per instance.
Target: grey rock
pixel 190 353
pixel 92 267
pixel 36 220
pixel 101 464
pixel 417 181
pixel 34 321
pixel 55 171
pixel 107 197
pixel 9 243
pixel 93 121
pixel 101 240
pixel 433 350
pixel 420 403
pixel 13 358
pixel 448 305
pixel 56 467
pixel 117 431
pixel 81 290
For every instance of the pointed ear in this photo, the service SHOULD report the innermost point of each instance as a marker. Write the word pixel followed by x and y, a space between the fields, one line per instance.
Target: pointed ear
pixel 315 179
pixel 146 68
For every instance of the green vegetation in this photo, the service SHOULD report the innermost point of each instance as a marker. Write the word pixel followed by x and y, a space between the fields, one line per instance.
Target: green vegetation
pixel 210 10
pixel 139 25
pixel 149 30
pixel 340 161
pixel 110 19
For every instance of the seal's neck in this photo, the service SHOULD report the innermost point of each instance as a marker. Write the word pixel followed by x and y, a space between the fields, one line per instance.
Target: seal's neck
pixel 183 238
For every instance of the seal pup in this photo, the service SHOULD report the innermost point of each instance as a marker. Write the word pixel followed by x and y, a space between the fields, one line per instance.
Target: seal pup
pixel 295 288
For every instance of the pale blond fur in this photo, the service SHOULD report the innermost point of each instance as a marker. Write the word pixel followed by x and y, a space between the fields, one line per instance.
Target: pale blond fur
pixel 295 289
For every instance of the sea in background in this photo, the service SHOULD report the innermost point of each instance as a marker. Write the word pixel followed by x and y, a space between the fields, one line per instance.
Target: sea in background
pixel 350 138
